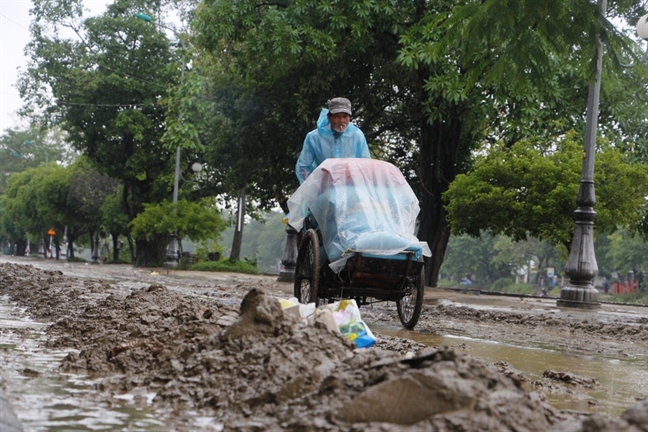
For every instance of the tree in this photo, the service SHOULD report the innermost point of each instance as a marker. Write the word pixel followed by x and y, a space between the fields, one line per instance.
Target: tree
pixel 56 197
pixel 22 149
pixel 431 81
pixel 474 257
pixel 31 201
pixel 625 251
pixel 488 258
pixel 529 189
pixel 265 240
pixel 195 220
pixel 107 88
pixel 88 191
pixel 115 221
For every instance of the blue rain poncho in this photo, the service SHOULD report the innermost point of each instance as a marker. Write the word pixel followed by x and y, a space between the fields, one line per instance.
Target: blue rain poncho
pixel 324 143
pixel 360 205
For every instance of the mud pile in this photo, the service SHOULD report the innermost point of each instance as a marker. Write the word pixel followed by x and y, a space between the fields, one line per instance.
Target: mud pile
pixel 254 368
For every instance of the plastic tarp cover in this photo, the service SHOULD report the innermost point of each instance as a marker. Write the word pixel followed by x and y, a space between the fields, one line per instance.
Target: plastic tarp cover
pixel 360 205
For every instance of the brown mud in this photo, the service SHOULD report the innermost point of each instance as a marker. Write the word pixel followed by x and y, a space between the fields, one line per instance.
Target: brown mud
pixel 225 350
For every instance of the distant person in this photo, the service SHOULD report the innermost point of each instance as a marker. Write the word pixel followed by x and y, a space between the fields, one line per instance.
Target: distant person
pixel 543 292
pixel 335 137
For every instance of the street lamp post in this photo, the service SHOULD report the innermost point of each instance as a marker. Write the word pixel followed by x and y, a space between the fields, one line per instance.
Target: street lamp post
pixel 581 267
pixel 289 258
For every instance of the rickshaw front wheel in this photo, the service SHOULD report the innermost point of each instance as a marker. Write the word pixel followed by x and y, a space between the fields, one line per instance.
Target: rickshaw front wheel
pixel 307 269
pixel 409 307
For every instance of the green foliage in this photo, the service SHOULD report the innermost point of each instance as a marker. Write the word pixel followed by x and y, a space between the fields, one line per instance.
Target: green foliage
pixel 487 259
pixel 529 189
pixel 639 297
pixel 195 220
pixel 430 81
pixel 29 148
pixel 470 256
pixel 113 216
pixel 501 285
pixel 110 86
pixel 225 265
pixel 56 197
pixel 624 251
pixel 513 288
pixel 35 198
pixel 264 240
pixel 207 247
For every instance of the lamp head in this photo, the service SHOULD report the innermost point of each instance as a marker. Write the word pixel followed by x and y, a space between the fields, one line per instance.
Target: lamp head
pixel 144 17
pixel 642 27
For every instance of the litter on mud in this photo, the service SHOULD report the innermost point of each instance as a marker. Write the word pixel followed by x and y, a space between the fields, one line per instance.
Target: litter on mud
pixel 341 316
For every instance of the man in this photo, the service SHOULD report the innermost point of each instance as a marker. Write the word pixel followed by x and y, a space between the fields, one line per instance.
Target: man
pixel 335 137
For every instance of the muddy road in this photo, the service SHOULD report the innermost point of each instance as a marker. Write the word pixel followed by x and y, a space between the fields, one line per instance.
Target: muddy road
pixel 191 351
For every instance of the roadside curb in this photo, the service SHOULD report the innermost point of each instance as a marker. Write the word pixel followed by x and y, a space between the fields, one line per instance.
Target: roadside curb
pixel 8 420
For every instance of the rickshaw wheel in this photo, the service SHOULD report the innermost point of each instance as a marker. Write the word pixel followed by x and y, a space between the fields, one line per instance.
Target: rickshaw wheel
pixel 409 307
pixel 307 269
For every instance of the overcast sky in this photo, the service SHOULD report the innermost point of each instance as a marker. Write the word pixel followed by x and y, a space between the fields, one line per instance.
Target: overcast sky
pixel 14 35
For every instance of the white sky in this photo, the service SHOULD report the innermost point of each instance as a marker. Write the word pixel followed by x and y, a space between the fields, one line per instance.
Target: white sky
pixel 14 35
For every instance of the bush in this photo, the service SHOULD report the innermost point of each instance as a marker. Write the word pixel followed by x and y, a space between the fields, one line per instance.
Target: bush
pixel 500 285
pixel 639 297
pixel 225 265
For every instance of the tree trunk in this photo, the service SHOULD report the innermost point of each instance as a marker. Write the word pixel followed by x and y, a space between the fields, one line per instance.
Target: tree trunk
pixel 439 164
pixel 151 252
pixel 235 255
pixel 70 245
pixel 19 247
pixel 132 248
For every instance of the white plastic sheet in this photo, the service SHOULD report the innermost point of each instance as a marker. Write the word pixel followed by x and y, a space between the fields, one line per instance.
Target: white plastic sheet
pixel 360 205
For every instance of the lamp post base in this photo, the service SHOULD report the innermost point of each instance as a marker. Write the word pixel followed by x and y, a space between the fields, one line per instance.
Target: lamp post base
pixel 287 275
pixel 583 297
pixel 289 259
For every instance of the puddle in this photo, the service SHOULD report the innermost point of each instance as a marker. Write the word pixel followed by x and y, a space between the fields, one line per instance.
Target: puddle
pixel 45 400
pixel 622 382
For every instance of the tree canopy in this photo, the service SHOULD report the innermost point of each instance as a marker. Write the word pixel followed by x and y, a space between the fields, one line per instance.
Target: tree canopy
pixel 430 81
pixel 109 87
pixel 529 189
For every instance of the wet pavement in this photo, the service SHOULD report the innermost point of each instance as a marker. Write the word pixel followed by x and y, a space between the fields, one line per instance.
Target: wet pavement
pixel 45 399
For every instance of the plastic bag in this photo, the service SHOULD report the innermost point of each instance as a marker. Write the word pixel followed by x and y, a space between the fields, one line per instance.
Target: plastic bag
pixel 347 317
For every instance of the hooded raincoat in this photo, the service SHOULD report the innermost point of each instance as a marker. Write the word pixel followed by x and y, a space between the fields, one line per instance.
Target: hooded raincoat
pixel 324 143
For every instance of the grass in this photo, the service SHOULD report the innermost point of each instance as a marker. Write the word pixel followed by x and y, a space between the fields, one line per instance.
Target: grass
pixel 225 265
pixel 513 288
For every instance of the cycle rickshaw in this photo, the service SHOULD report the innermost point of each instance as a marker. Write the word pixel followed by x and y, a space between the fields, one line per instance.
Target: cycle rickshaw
pixel 356 219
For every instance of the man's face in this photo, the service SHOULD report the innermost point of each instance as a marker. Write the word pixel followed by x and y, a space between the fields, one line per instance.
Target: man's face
pixel 339 121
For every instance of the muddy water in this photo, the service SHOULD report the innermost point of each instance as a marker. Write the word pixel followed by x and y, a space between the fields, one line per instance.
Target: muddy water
pixel 45 400
pixel 623 382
